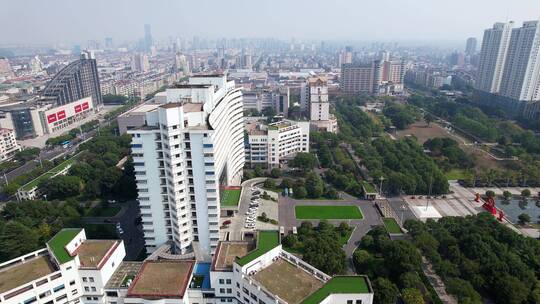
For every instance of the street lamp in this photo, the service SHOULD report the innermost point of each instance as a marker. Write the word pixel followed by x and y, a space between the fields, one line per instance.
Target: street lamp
pixel 380 185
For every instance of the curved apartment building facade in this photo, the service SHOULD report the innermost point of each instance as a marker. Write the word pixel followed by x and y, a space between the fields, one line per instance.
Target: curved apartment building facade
pixel 188 149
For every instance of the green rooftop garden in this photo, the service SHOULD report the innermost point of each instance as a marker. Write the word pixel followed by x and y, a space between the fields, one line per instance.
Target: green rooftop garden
pixel 49 174
pixel 369 187
pixel 58 243
pixel 330 212
pixel 391 225
pixel 339 285
pixel 266 241
pixel 230 197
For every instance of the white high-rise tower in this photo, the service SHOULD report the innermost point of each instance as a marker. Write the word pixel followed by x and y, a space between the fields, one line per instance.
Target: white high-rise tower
pixel 189 147
pixel 521 77
pixel 492 57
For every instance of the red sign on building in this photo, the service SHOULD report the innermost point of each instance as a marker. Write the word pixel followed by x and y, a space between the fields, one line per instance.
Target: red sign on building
pixel 51 118
pixel 85 105
pixel 78 108
pixel 61 114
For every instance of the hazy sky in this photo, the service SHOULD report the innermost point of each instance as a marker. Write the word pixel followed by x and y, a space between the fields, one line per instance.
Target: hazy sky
pixel 53 21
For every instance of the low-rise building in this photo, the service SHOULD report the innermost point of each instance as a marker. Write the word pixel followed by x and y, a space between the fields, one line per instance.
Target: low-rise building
pixel 8 144
pixel 270 144
pixel 71 269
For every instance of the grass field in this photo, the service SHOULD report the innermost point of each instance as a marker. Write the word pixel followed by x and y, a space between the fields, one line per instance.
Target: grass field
pixel 230 197
pixel 328 212
pixel 391 225
pixel 456 174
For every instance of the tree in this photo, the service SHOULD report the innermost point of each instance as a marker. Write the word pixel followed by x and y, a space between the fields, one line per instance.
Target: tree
pixel 412 296
pixel 61 187
pixel 314 185
pixel 286 183
pixel 114 99
pixel 386 292
pixel 524 218
pixel 299 192
pixel 507 195
pixel 275 173
pixel 410 279
pixel 490 194
pixel 325 253
pixel 304 161
pixel 526 193
pixel 291 241
pixel 16 239
pixel 463 290
pixel 258 171
pixel 429 118
pixel 27 154
pixel 269 184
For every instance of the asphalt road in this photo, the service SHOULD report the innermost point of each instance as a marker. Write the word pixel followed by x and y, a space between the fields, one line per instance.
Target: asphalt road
pixel 132 236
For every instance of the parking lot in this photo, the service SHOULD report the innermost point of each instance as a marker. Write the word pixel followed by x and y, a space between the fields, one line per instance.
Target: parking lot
pixel 251 206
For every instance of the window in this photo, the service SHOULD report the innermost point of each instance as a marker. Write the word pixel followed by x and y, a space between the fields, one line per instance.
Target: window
pixel 221 281
pixel 93 288
pixel 58 288
pixel 72 283
pixel 31 300
pixel 86 288
pixel 60 298
pixel 136 145
pixel 91 279
pixel 228 281
pixel 358 301
pixel 84 279
pixel 45 294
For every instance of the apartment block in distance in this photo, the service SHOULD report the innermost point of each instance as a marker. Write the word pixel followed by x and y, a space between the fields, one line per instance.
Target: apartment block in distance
pixel 8 144
pixel 315 98
pixel 71 269
pixel 268 145
pixel 188 148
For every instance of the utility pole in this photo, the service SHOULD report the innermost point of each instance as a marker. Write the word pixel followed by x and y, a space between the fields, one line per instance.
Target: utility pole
pixel 5 178
pixel 429 193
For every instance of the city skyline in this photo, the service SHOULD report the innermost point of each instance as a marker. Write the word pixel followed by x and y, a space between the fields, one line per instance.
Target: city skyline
pixel 124 20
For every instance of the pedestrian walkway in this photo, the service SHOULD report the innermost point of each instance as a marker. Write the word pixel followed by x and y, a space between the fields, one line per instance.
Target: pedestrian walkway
pixel 437 282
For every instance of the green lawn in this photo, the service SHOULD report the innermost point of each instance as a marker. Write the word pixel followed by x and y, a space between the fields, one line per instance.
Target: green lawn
pixel 456 174
pixel 328 212
pixel 99 211
pixel 339 285
pixel 369 187
pixel 391 225
pixel 59 242
pixel 345 238
pixel 266 241
pixel 230 197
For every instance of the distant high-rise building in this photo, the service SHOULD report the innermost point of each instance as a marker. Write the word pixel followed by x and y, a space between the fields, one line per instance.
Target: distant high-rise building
pixel 148 42
pixel 181 63
pixel 108 42
pixel 493 56
pixel 470 47
pixel 5 68
pixel 140 63
pixel 358 78
pixel 346 56
pixel 521 77
pixel 36 66
pixel 457 59
pixel 314 97
pixel 77 80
